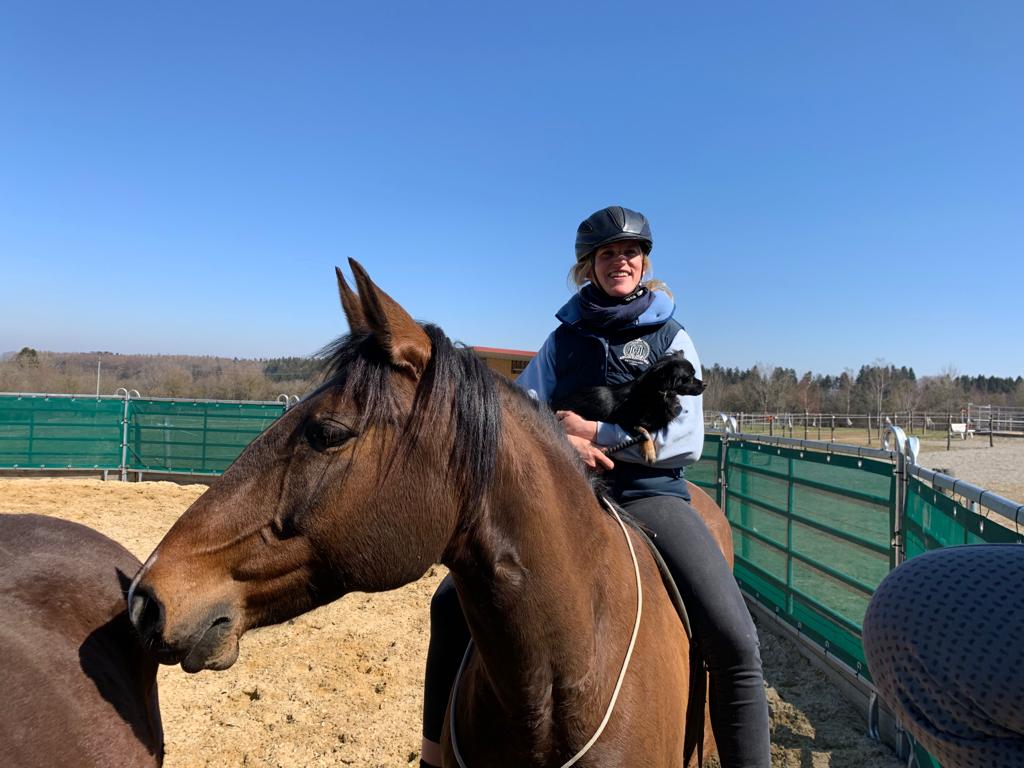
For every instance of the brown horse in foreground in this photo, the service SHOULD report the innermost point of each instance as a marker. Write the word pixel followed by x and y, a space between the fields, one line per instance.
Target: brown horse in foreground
pixel 77 688
pixel 412 453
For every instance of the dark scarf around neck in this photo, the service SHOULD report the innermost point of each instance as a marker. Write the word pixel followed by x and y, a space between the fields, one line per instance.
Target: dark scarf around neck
pixel 601 312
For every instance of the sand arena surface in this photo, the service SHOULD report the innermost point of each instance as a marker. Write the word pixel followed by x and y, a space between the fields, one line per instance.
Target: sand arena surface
pixel 999 469
pixel 341 685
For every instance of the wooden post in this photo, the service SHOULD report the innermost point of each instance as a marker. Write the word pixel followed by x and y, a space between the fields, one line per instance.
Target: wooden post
pixel 771 426
pixel 805 423
pixel 949 428
pixel 869 429
pixel 991 429
pixel 833 438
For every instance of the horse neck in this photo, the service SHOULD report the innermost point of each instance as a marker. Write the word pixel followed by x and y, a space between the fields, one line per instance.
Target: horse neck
pixel 540 574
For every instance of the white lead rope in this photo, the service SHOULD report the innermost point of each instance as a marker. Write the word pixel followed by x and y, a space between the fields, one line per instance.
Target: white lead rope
pixel 618 683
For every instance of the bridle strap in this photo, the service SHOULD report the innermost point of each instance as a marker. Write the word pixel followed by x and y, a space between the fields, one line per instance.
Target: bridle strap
pixel 618 683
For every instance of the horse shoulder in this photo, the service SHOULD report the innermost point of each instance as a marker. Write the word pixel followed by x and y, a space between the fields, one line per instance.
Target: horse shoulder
pixel 79 688
pixel 656 694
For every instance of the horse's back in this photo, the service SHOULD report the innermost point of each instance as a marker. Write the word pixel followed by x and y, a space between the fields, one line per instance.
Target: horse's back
pixel 78 688
pixel 713 518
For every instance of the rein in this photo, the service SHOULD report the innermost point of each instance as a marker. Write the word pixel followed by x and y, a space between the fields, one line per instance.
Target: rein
pixel 624 444
pixel 618 683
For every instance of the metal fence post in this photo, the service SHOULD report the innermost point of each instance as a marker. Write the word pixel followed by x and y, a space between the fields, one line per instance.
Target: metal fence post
pixel 123 466
pixel 723 482
pixel 906 456
pixel 128 394
pixel 900 505
pixel 789 535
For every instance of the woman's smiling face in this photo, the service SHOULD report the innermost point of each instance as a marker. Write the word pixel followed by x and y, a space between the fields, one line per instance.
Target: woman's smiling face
pixel 619 267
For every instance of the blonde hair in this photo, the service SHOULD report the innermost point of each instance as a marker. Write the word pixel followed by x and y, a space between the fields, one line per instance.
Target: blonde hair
pixel 582 272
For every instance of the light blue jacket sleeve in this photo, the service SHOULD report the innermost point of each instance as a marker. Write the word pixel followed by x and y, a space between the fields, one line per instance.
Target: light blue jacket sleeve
pixel 681 442
pixel 538 378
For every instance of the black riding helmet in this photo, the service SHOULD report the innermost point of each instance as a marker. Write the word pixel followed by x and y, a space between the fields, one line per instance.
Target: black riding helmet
pixel 609 225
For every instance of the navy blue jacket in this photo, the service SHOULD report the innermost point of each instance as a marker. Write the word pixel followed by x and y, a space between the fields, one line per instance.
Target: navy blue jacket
pixel 574 357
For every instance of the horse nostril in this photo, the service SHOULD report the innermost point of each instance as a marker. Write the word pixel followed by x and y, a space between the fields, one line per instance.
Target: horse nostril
pixel 146 612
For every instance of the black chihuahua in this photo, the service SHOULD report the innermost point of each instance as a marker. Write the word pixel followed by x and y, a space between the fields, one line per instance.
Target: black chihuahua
pixel 644 405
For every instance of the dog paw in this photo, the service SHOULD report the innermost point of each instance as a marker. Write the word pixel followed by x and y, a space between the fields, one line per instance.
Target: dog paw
pixel 647 446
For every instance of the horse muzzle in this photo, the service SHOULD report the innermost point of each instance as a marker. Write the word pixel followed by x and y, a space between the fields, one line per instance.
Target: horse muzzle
pixel 206 642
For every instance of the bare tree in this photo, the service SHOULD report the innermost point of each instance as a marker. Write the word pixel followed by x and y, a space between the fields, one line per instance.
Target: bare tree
pixel 761 386
pixel 846 386
pixel 907 394
pixel 942 392
pixel 877 377
pixel 808 394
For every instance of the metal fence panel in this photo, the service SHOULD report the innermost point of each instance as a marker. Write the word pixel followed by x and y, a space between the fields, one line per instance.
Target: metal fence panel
pixel 814 532
pixel 47 432
pixel 812 536
pixel 197 437
pixel 70 432
pixel 704 474
pixel 936 520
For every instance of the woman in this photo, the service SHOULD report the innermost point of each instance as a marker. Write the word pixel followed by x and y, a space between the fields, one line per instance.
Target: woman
pixel 610 332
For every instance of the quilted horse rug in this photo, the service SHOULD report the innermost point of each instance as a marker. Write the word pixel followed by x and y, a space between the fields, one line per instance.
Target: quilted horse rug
pixel 942 636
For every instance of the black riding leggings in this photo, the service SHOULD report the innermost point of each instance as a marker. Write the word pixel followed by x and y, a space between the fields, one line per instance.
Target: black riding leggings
pixel 722 628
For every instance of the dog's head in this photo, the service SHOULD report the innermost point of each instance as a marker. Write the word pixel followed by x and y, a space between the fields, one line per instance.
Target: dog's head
pixel 674 373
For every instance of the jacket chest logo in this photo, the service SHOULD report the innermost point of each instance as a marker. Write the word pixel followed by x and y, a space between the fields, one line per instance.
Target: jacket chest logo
pixel 636 351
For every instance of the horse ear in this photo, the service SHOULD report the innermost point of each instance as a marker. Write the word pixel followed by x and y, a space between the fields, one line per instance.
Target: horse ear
pixel 350 304
pixel 401 337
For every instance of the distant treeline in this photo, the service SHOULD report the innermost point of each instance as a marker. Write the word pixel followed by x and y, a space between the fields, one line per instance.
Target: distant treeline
pixel 876 388
pixel 879 387
pixel 185 376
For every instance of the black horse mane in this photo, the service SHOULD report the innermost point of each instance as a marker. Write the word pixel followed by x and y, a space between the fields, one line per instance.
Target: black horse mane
pixel 456 388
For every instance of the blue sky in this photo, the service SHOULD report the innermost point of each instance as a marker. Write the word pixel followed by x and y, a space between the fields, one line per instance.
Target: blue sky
pixel 828 184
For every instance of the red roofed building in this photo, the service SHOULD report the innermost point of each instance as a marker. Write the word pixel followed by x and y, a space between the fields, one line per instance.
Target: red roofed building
pixel 508 362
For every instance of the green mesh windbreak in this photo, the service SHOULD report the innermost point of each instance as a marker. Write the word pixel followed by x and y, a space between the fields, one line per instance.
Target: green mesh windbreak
pixel 704 473
pixel 194 437
pixel 45 432
pixel 811 533
pixel 934 520
pixel 923 757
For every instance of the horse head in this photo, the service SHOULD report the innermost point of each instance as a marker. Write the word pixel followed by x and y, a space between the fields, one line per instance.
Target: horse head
pixel 360 486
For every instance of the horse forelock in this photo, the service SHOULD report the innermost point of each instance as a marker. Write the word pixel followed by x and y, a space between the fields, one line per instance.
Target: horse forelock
pixel 456 393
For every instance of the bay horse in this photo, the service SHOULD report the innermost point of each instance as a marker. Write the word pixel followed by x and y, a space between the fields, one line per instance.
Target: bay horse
pixel 411 453
pixel 78 688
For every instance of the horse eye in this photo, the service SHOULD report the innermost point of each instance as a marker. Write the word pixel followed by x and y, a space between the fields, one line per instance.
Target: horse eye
pixel 327 434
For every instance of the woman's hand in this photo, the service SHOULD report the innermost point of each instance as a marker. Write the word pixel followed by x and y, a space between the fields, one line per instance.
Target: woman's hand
pixel 574 424
pixel 581 434
pixel 591 454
